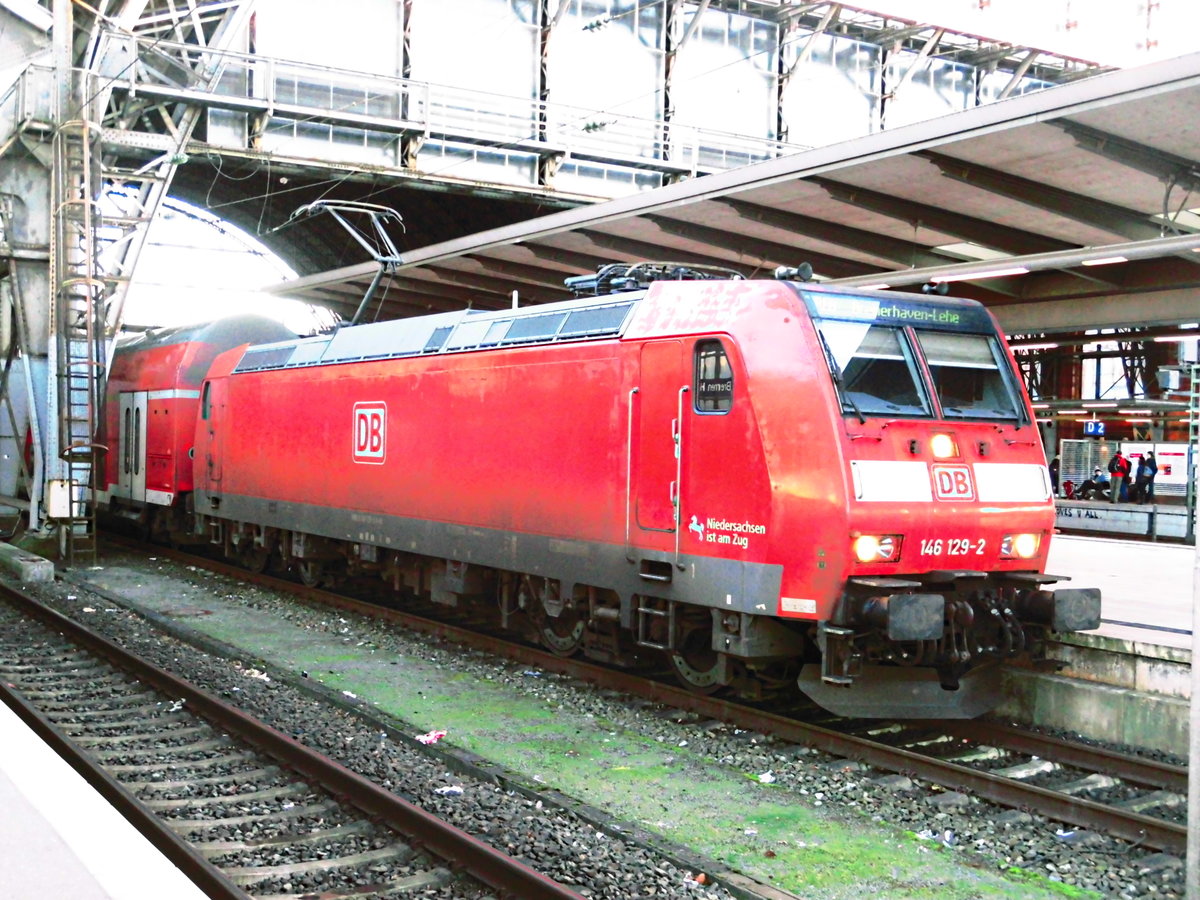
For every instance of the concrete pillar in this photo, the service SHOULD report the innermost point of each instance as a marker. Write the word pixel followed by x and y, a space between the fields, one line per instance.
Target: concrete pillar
pixel 26 166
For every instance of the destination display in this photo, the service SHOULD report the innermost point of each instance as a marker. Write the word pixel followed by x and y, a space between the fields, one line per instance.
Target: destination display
pixel 945 314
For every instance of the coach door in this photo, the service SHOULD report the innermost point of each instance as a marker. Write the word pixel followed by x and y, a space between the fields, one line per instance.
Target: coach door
pixel 131 479
pixel 657 436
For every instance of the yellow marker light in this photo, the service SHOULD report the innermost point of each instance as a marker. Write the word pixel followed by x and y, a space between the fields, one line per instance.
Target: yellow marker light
pixel 943 446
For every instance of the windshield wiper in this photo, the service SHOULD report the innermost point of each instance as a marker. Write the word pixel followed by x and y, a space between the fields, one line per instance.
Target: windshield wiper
pixel 835 372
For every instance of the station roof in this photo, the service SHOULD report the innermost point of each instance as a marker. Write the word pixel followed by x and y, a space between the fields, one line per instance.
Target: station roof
pixel 1061 210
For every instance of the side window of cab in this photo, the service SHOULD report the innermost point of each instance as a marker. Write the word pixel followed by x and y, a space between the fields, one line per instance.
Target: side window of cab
pixel 713 378
pixel 206 402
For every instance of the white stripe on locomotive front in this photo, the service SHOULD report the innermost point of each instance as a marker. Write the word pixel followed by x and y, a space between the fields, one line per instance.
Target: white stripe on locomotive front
pixel 909 482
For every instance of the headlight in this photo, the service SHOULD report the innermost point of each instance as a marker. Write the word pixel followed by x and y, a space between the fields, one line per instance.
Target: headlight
pixel 943 446
pixel 1020 546
pixel 877 548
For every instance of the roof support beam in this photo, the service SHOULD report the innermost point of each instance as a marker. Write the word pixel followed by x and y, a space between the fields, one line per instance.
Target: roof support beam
pixel 1177 171
pixel 585 262
pixel 810 42
pixel 871 243
pixel 979 231
pixel 438 294
pixel 760 251
pixel 401 306
pixel 918 63
pixel 1040 262
pixel 1167 307
pixel 548 278
pixel 1018 74
pixel 502 288
pixel 1098 213
pixel 903 33
pixel 640 250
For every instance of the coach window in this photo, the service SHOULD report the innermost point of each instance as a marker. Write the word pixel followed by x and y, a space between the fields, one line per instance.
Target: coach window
pixel 714 378
pixel 125 456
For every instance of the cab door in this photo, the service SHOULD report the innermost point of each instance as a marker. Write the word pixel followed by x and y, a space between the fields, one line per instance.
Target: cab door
pixel 131 477
pixel 212 396
pixel 657 440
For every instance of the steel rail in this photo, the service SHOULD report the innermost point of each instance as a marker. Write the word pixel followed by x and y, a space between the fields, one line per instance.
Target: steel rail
pixel 1131 826
pixel 1133 769
pixel 202 873
pixel 471 855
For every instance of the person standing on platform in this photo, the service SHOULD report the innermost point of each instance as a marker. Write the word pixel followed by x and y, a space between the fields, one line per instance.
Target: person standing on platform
pixel 1149 468
pixel 1054 464
pixel 1138 492
pixel 1118 468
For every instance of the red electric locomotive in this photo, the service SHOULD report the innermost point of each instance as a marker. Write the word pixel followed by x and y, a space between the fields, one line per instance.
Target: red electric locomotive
pixel 764 481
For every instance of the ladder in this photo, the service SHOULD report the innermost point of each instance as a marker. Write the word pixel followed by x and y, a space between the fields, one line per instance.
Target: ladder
pixel 79 345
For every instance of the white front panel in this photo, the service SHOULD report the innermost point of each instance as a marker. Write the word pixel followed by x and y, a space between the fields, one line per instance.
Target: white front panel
pixel 893 480
pixel 1012 482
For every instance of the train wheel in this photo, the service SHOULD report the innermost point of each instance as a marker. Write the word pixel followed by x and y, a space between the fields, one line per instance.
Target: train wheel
pixel 311 572
pixel 695 662
pixel 563 636
pixel 255 558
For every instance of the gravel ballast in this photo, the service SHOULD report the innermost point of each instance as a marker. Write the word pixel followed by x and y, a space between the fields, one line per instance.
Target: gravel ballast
pixel 810 824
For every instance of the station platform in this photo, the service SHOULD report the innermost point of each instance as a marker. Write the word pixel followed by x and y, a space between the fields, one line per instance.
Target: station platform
pixel 1129 681
pixel 1146 588
pixel 60 838
pixel 1152 521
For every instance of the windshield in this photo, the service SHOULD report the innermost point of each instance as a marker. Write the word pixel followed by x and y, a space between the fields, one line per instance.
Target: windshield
pixel 876 369
pixel 876 372
pixel 967 376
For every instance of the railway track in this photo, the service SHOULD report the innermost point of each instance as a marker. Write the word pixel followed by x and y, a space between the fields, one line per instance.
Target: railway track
pixel 241 808
pixel 1084 792
pixel 1087 788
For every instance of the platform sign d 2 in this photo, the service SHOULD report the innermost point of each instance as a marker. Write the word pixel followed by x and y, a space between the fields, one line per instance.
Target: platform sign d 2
pixel 370 433
pixel 1093 428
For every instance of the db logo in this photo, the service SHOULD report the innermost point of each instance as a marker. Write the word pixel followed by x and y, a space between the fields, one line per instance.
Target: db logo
pixel 370 432
pixel 953 483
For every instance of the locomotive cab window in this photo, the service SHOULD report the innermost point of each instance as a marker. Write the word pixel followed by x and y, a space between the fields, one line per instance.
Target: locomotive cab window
pixel 714 378
pixel 873 368
pixel 968 376
pixel 206 402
